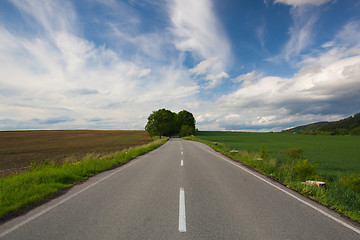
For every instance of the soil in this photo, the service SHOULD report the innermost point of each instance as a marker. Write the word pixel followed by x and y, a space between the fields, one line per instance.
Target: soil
pixel 19 149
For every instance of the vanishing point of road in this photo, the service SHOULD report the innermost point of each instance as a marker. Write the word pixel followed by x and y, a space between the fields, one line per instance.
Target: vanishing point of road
pixel 182 190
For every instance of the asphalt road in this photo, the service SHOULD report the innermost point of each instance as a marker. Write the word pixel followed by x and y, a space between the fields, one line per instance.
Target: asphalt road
pixel 182 190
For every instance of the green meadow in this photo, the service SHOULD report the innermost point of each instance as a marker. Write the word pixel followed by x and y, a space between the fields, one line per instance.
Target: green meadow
pixel 332 155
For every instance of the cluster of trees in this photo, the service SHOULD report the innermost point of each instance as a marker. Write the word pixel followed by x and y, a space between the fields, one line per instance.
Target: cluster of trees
pixel 347 126
pixel 163 122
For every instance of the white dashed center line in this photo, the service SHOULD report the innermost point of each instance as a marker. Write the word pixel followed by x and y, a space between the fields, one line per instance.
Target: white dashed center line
pixel 182 217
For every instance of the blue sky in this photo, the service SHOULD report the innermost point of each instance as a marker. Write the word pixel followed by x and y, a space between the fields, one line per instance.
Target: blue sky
pixel 253 65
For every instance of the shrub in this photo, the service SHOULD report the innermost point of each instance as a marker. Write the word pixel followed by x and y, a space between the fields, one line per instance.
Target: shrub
pixel 294 153
pixel 264 154
pixel 351 181
pixel 303 169
pixel 355 131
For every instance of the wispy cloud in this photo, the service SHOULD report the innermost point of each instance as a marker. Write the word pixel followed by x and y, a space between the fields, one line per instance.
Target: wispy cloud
pixel 209 73
pixel 260 34
pixel 196 29
pixel 204 66
pixel 301 33
pixel 247 78
pixel 305 14
pixel 53 16
pixel 302 2
pixel 214 80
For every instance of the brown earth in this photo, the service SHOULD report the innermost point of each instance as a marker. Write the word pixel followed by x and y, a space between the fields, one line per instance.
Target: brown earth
pixel 18 149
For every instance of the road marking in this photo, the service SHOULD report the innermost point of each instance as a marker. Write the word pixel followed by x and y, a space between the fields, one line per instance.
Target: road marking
pixel 65 199
pixel 182 217
pixel 288 193
pixel 182 163
pixel 182 153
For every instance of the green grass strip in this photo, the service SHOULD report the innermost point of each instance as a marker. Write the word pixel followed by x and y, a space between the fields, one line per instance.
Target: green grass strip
pixel 21 190
pixel 342 195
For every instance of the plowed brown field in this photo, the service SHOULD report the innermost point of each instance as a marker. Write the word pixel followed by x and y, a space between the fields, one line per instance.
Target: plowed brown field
pixel 18 149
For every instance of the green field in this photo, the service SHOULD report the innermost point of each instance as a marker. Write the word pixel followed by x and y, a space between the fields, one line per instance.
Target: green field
pixel 332 155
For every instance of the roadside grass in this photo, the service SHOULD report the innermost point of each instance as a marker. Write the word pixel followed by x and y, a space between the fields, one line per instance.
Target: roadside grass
pixel 341 193
pixel 48 178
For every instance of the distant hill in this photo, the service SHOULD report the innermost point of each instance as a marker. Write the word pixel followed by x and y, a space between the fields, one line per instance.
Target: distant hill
pixel 346 126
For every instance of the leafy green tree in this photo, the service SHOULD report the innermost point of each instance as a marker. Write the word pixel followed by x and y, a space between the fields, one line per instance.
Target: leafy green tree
pixel 185 118
pixel 186 130
pixel 161 123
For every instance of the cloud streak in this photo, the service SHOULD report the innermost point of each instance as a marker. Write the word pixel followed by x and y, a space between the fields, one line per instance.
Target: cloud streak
pixel 302 2
pixel 196 29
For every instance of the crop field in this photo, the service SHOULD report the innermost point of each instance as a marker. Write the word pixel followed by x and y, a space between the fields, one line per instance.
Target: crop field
pixel 18 149
pixel 332 155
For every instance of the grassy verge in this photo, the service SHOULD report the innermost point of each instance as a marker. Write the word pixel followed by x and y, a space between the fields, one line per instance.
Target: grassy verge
pixel 342 194
pixel 48 178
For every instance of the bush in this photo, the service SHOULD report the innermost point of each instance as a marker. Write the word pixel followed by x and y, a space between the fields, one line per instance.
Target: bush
pixel 303 169
pixel 294 153
pixel 351 181
pixel 264 154
pixel 355 131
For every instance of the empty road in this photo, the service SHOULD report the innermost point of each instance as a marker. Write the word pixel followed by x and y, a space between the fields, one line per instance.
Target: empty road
pixel 182 190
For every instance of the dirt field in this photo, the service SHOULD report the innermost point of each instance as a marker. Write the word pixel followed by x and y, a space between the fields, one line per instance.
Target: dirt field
pixel 18 149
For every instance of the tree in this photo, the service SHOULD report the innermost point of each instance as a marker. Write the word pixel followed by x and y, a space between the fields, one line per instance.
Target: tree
pixel 164 122
pixel 186 130
pixel 161 123
pixel 185 118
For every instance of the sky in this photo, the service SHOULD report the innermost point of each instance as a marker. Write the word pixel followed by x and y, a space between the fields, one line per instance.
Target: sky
pixel 243 65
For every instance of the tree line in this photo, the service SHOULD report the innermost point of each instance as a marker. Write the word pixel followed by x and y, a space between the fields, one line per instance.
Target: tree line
pixel 164 122
pixel 346 126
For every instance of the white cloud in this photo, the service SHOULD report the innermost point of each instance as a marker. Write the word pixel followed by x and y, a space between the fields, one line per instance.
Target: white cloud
pixel 204 66
pixel 328 44
pixel 301 33
pixel 247 78
pixel 53 16
pixel 302 2
pixel 349 36
pixel 312 92
pixel 214 80
pixel 196 29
